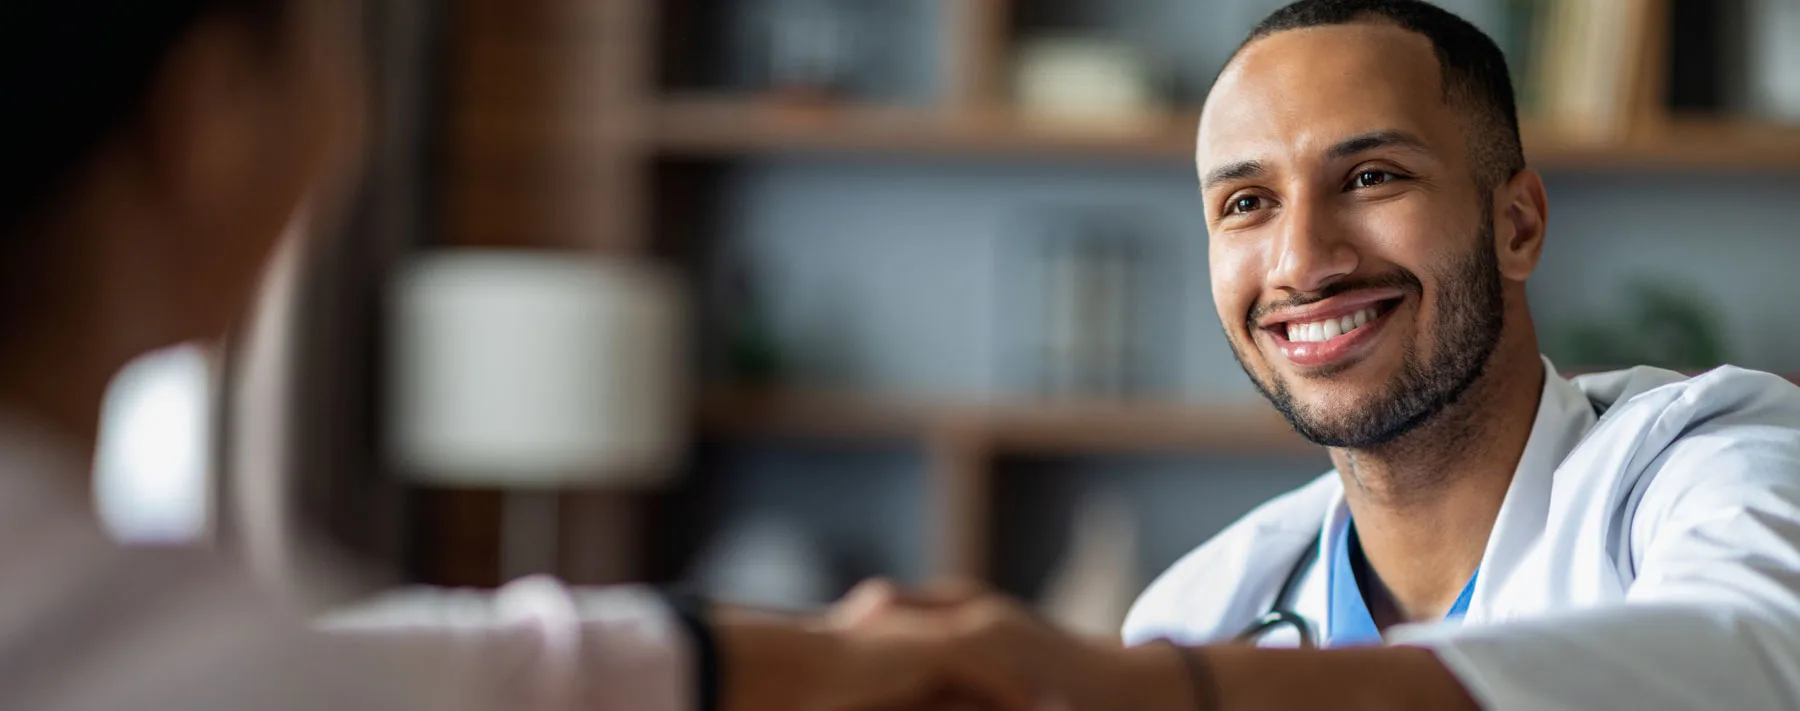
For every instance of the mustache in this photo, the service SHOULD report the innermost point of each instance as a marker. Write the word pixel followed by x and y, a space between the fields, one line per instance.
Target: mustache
pixel 1400 279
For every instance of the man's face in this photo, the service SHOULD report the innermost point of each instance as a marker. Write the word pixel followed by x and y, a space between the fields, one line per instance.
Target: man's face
pixel 1352 253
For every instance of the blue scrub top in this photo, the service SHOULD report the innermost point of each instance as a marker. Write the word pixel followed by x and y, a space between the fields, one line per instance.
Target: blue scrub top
pixel 1350 623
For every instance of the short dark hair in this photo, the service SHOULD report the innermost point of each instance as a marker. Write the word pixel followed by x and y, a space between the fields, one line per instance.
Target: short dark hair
pixel 74 72
pixel 1473 67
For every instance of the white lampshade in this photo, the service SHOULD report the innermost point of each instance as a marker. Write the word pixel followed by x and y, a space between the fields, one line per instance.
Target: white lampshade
pixel 536 369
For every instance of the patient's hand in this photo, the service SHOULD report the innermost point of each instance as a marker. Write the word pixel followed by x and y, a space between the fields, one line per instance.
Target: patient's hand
pixel 986 635
pixel 791 664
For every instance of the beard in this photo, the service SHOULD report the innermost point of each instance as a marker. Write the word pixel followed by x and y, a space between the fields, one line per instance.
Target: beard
pixel 1471 313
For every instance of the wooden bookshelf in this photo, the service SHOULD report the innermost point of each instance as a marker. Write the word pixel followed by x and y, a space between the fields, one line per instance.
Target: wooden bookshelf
pixel 556 118
pixel 725 127
pixel 963 440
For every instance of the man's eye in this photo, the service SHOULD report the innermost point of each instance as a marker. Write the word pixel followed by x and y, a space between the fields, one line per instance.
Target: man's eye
pixel 1243 204
pixel 1371 178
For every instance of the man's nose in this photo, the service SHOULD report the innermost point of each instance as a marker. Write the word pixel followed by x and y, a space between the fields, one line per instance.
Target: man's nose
pixel 1311 251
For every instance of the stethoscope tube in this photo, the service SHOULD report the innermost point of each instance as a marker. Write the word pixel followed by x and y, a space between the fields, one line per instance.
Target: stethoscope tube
pixel 1277 618
pixel 1280 612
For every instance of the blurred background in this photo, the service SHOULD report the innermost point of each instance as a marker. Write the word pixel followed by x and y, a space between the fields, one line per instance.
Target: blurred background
pixel 767 296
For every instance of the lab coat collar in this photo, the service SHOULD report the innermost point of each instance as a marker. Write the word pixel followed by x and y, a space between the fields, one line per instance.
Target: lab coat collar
pixel 1188 602
pixel 1564 417
pixel 1564 534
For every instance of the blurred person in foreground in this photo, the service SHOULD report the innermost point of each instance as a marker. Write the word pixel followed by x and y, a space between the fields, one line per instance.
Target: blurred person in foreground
pixel 155 149
pixel 1493 535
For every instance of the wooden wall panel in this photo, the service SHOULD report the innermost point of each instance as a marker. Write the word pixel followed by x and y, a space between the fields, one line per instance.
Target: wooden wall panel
pixel 544 148
pixel 593 205
pixel 545 125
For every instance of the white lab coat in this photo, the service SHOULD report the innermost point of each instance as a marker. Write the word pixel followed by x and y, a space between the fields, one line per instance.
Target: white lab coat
pixel 88 626
pixel 1647 554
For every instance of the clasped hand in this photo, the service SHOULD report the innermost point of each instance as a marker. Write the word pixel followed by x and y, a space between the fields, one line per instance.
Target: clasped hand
pixel 952 647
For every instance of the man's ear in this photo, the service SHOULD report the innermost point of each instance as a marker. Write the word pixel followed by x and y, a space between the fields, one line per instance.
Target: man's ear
pixel 1521 212
pixel 198 135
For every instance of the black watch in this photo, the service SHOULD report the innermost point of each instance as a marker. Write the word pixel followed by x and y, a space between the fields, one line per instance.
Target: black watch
pixel 692 611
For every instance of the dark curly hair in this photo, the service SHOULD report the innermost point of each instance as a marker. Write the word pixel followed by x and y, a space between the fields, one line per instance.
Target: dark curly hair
pixel 75 72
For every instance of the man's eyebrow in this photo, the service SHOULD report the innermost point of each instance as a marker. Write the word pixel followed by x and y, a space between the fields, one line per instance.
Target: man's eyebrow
pixel 1343 149
pixel 1235 171
pixel 1377 139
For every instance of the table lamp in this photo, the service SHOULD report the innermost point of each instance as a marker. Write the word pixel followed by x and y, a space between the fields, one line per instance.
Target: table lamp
pixel 535 371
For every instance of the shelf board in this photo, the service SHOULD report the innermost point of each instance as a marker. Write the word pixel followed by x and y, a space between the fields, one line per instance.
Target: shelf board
pixel 734 127
pixel 1138 427
pixel 1681 143
pixel 1012 427
pixel 731 127
pixel 814 414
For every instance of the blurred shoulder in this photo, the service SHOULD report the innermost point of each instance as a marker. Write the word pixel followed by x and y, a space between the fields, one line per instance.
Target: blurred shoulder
pixel 88 624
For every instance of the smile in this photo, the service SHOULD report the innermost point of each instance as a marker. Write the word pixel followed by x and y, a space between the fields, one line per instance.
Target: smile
pixel 1322 331
pixel 1334 331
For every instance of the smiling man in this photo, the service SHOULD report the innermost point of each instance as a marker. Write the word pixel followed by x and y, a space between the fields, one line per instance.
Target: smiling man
pixel 1625 540
pixel 1493 534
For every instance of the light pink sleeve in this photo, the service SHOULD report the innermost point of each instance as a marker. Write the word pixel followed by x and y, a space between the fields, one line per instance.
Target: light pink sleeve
pixel 86 625
pixel 535 644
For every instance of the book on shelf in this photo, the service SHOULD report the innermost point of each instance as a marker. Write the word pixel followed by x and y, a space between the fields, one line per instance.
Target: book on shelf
pixel 1596 66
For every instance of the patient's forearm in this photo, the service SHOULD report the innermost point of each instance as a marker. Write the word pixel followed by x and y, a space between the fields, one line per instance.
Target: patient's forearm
pixel 1372 678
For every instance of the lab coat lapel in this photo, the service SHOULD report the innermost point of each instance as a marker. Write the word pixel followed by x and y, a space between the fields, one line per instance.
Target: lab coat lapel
pixel 1263 564
pixel 1216 591
pixel 1603 479
pixel 1552 544
pixel 1564 416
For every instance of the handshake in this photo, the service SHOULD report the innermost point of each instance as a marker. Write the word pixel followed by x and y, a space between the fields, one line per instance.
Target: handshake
pixel 954 646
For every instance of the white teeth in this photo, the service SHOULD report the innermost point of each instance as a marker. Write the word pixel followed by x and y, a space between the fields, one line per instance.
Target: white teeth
pixel 1327 329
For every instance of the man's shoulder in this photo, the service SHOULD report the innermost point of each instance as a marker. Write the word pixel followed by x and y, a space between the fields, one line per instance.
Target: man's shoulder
pixel 1719 450
pixel 1725 391
pixel 1203 592
pixel 1734 420
pixel 1661 431
pixel 1661 410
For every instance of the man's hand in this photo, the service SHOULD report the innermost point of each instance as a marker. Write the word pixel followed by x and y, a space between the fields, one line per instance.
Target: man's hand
pixel 985 629
pixel 790 665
